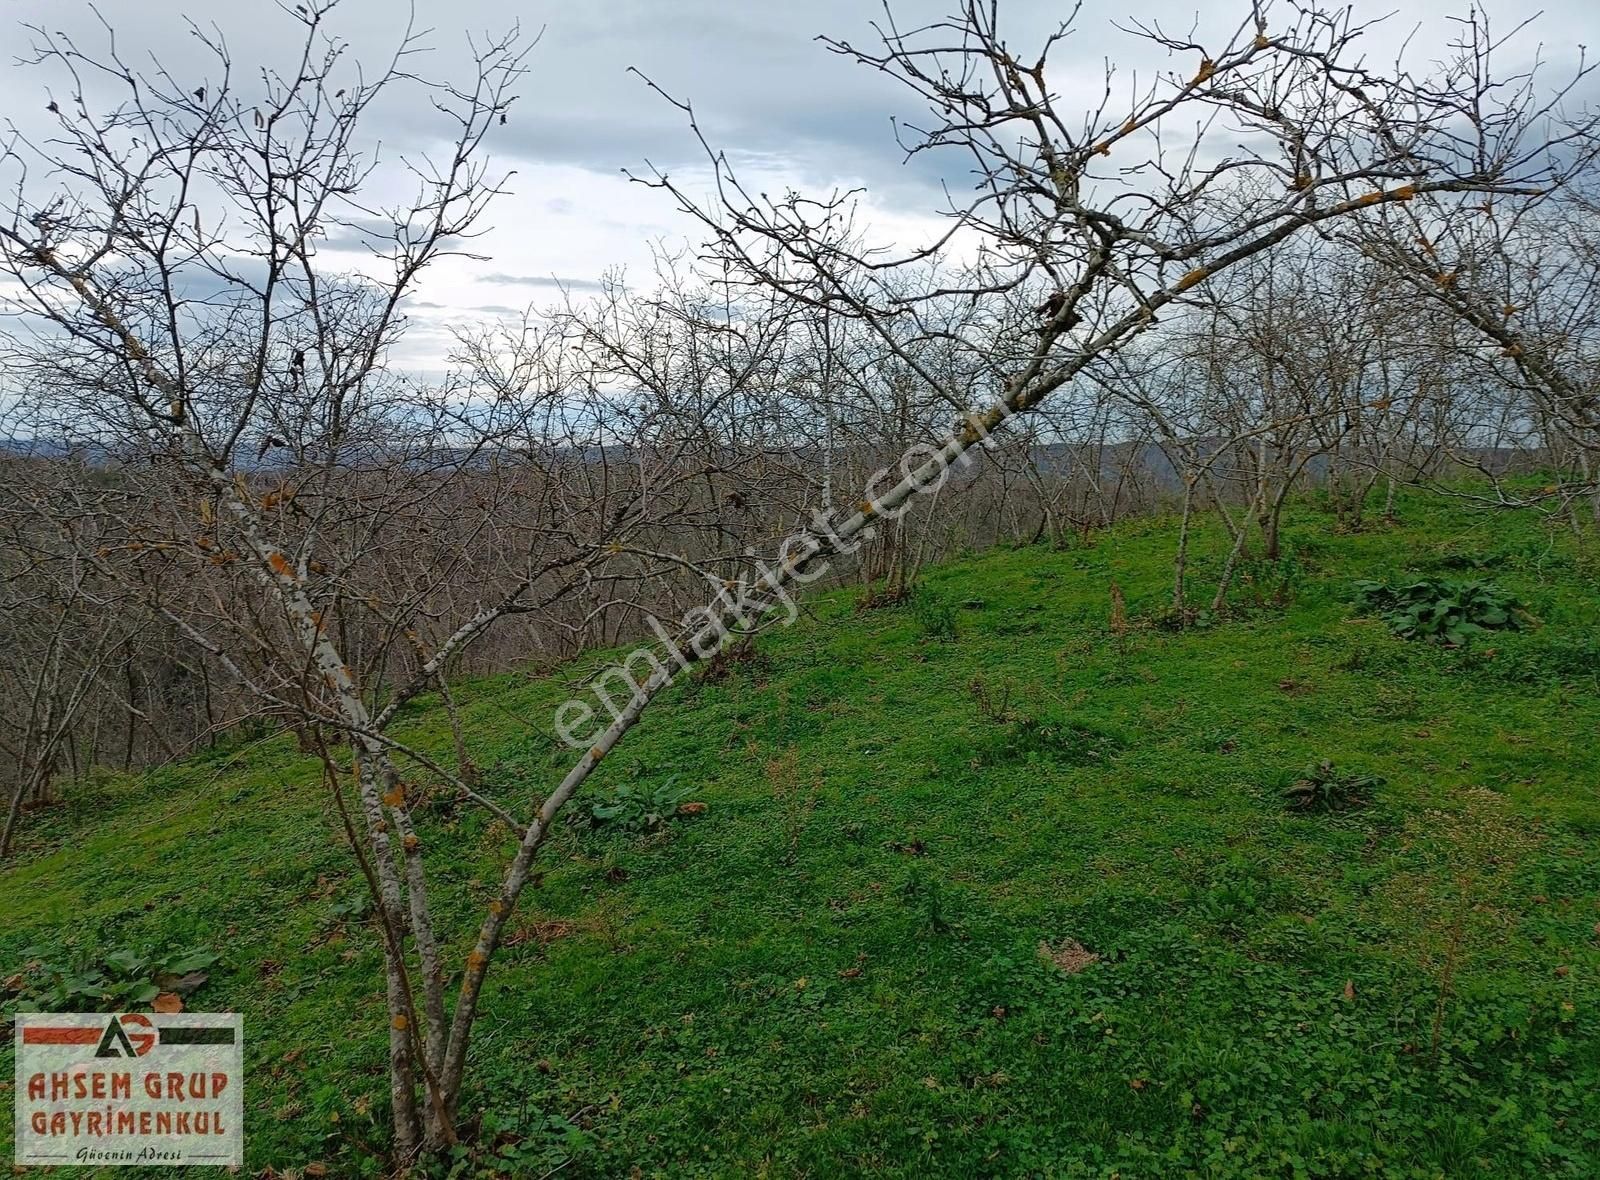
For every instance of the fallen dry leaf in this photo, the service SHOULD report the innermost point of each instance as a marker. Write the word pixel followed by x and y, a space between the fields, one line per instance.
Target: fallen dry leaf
pixel 543 932
pixel 691 808
pixel 182 984
pixel 1071 956
pixel 168 1002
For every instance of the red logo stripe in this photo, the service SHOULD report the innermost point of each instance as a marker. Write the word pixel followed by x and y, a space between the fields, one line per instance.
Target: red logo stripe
pixel 35 1035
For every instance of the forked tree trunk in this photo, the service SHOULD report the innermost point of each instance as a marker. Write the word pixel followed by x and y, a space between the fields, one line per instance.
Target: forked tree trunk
pixel 1181 558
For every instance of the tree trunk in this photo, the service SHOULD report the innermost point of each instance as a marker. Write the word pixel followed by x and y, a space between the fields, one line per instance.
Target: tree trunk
pixel 1181 559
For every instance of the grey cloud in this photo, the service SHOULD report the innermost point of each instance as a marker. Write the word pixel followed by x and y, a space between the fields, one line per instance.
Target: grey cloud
pixel 558 281
pixel 764 90
pixel 357 233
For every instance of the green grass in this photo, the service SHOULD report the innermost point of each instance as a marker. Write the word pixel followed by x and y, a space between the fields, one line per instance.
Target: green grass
pixel 856 987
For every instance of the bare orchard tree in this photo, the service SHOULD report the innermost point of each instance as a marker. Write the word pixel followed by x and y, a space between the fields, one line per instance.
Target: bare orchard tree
pixel 250 466
pixel 1115 209
pixel 60 656
pixel 1523 285
pixel 245 437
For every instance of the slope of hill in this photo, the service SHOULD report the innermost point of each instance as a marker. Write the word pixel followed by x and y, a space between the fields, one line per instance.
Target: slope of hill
pixel 983 886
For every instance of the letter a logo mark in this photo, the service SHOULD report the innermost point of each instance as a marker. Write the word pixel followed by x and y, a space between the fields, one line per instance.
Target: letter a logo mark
pixel 115 1043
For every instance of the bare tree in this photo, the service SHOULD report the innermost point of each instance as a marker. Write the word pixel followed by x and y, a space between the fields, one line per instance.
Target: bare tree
pixel 1522 284
pixel 175 318
pixel 51 667
pixel 335 535
pixel 1122 244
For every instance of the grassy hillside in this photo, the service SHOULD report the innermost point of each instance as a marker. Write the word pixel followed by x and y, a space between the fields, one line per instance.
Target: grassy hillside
pixel 840 967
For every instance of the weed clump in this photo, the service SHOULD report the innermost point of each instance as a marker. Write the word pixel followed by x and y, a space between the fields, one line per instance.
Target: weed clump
pixel 1442 610
pixel 636 809
pixel 1325 788
pixel 935 618
pixel 1025 734
pixel 113 982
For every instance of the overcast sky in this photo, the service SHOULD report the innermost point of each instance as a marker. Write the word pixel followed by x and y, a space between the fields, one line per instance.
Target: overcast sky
pixel 784 107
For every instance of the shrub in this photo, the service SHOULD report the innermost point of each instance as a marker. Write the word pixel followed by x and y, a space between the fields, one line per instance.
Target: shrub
pixel 723 664
pixel 891 593
pixel 994 704
pixel 795 792
pixel 1441 609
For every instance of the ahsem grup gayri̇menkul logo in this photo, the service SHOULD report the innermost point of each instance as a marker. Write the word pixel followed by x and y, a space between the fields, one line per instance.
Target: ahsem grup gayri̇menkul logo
pixel 97 1088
